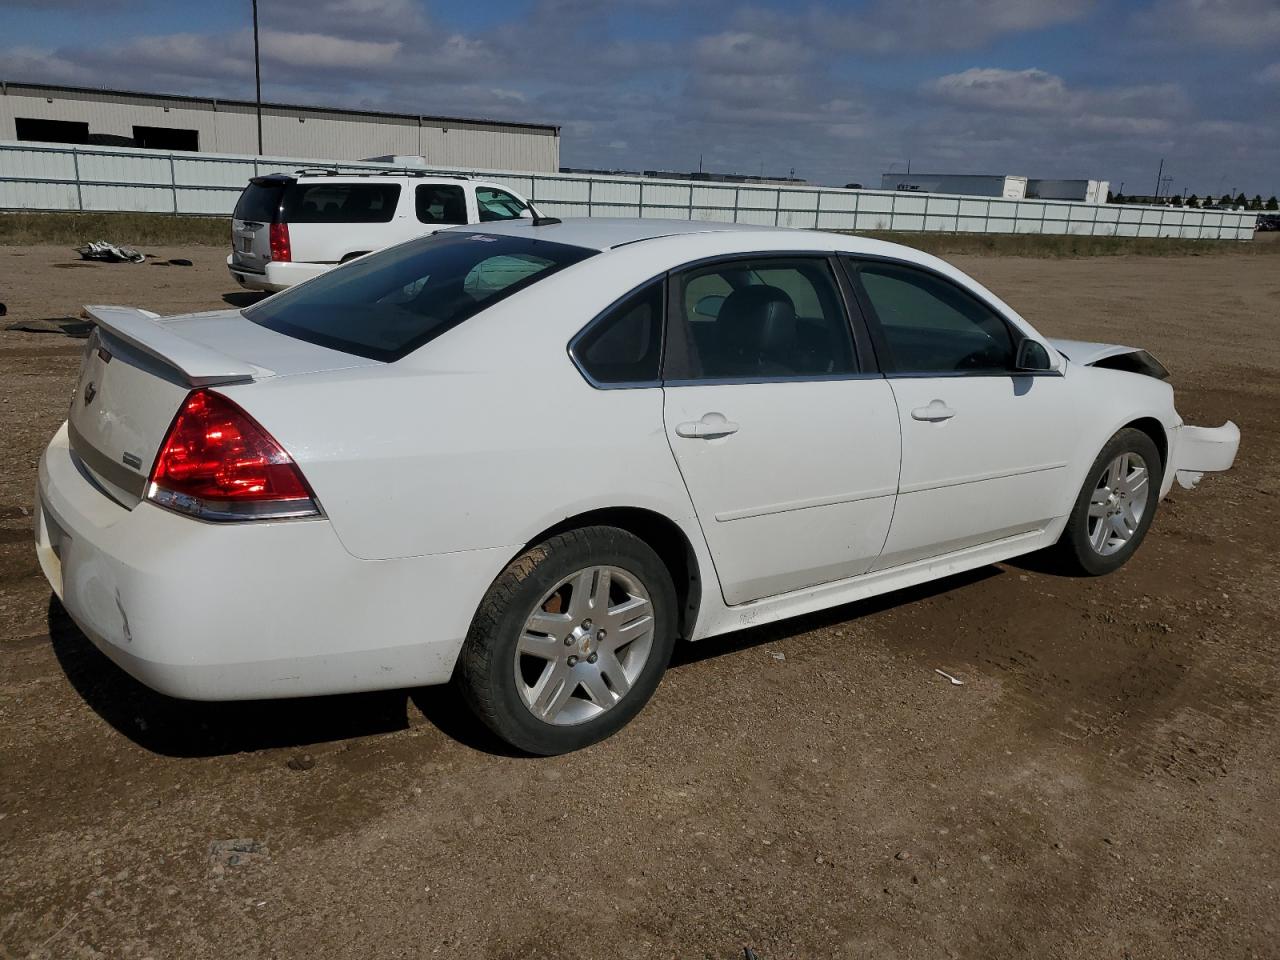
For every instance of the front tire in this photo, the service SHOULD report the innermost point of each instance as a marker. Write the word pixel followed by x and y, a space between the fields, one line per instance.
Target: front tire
pixel 1114 509
pixel 571 640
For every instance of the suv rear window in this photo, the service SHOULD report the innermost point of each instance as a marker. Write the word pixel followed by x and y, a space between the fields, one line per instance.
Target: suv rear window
pixel 340 202
pixel 387 304
pixel 260 201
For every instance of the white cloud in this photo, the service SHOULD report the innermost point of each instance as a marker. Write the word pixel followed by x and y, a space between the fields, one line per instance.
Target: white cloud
pixel 1269 74
pixel 889 26
pixel 1132 109
pixel 1226 23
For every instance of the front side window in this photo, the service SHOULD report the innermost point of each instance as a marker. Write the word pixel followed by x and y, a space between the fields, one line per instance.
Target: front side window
pixel 389 303
pixel 759 319
pixel 497 204
pixel 932 326
pixel 341 202
pixel 625 345
pixel 440 203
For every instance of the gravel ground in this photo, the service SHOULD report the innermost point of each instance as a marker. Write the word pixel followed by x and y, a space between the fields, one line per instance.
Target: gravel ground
pixel 1106 783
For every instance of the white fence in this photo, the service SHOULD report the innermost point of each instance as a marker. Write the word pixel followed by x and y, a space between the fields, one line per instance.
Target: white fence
pixel 47 177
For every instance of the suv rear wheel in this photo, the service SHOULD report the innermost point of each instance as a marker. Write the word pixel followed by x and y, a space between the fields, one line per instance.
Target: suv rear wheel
pixel 571 640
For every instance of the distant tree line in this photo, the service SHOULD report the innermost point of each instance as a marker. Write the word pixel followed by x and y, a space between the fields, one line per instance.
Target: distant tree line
pixel 1225 202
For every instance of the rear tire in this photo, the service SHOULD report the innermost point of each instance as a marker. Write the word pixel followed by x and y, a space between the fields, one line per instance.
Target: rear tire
pixel 1115 507
pixel 571 640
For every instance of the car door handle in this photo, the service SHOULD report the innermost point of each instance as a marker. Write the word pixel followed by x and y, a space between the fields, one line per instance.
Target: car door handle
pixel 935 412
pixel 710 427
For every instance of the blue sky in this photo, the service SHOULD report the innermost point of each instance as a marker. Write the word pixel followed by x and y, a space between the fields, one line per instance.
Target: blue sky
pixel 838 91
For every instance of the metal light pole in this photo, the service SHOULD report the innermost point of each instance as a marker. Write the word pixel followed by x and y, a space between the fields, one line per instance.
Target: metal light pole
pixel 257 74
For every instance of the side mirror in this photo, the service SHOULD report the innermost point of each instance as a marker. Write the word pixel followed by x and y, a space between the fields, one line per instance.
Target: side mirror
pixel 1032 357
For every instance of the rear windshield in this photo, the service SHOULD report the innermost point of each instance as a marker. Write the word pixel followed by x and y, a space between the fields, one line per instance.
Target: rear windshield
pixel 259 202
pixel 387 304
pixel 340 202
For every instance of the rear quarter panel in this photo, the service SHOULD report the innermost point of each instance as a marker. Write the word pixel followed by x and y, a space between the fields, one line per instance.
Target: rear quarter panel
pixel 483 438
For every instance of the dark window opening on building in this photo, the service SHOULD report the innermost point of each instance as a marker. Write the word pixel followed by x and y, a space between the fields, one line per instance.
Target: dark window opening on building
pixel 166 138
pixel 51 131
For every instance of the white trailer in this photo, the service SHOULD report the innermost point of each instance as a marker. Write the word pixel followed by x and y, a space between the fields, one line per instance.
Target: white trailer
pixel 1005 187
pixel 1086 191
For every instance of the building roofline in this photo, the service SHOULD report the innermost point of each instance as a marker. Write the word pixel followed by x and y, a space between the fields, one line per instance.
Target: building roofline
pixel 6 85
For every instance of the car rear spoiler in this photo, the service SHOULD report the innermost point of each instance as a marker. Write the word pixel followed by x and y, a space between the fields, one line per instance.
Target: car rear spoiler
pixel 200 365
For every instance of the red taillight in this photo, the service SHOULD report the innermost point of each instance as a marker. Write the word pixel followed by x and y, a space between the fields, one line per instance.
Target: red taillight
pixel 217 462
pixel 280 250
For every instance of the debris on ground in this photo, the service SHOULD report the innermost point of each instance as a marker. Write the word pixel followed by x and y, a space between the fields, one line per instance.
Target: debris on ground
pixel 301 761
pixel 109 252
pixel 235 853
pixel 777 654
pixel 3 309
pixel 942 673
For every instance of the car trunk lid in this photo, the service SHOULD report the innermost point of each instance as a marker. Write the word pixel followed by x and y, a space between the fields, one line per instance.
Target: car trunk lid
pixel 138 369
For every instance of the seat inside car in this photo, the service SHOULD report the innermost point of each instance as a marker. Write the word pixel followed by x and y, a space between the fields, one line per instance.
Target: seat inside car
pixel 754 335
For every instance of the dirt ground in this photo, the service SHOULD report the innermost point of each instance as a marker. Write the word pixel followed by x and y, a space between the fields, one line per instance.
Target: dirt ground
pixel 1105 784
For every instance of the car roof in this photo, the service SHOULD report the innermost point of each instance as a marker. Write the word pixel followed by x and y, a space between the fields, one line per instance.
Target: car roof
pixel 605 233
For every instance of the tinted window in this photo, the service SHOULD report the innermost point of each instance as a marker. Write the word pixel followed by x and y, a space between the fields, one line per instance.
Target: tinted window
pixel 778 318
pixel 441 203
pixel 931 325
pixel 497 204
pixel 388 303
pixel 341 202
pixel 260 202
pixel 624 346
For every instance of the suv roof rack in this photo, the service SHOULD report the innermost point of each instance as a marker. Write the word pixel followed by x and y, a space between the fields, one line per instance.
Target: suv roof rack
pixel 328 172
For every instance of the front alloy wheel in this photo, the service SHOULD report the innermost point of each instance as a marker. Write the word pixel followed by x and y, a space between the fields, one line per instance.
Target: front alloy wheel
pixel 1113 511
pixel 1119 503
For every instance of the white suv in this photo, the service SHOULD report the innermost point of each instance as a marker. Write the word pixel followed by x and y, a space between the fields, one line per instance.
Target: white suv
pixel 289 228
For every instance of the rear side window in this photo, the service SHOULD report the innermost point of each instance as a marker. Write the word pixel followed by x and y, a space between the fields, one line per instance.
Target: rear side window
pixel 625 345
pixel 440 203
pixel 341 202
pixel 260 202
pixel 765 319
pixel 497 204
pixel 387 304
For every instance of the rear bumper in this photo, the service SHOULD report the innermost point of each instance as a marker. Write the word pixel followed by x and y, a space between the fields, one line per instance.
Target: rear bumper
pixel 244 611
pixel 276 276
pixel 1196 451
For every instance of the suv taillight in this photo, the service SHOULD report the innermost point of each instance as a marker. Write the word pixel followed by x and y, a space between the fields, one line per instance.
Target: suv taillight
pixel 218 463
pixel 280 250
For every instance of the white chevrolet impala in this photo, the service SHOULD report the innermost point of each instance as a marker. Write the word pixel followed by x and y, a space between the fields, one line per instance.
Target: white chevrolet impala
pixel 529 456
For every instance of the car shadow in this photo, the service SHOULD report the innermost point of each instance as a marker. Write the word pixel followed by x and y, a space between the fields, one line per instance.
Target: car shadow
pixel 243 298
pixel 727 643
pixel 186 728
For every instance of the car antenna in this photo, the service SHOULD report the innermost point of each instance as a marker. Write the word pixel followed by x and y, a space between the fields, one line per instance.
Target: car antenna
pixel 539 220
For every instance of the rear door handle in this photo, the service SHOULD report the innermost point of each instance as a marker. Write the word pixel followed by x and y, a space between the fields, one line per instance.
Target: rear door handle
pixel 935 412
pixel 711 427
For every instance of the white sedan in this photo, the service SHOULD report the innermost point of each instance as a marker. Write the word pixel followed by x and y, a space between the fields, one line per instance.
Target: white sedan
pixel 529 456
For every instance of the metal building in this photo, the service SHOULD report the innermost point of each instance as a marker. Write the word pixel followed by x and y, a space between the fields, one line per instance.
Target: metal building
pixel 973 185
pixel 54 114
